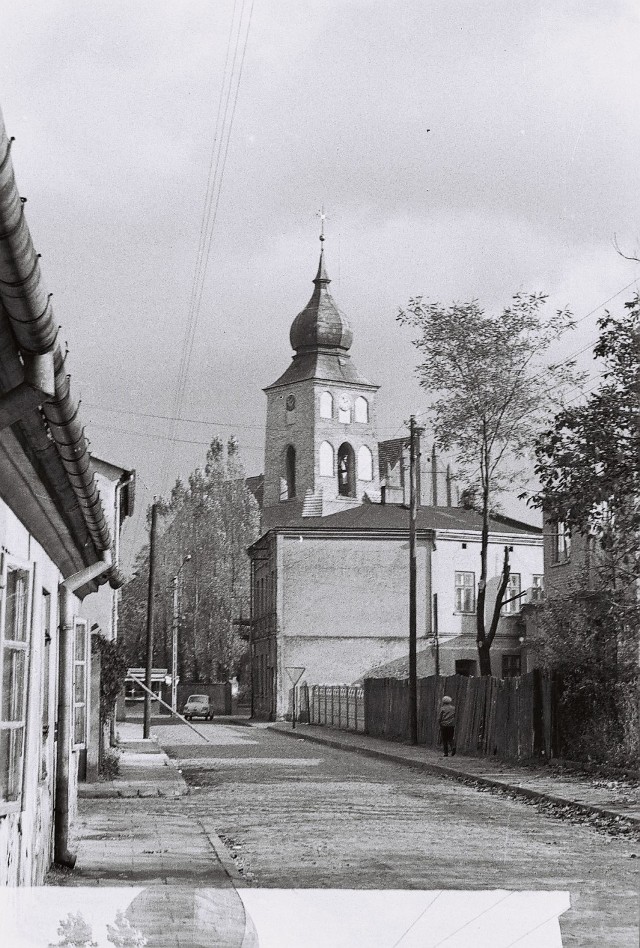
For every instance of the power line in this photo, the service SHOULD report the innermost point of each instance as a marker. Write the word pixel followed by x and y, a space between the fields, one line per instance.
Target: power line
pixel 218 161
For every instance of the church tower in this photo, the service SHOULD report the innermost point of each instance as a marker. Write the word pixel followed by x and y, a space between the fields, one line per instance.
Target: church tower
pixel 321 448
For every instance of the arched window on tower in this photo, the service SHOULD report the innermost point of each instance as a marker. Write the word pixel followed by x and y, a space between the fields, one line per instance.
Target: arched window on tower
pixel 288 481
pixel 326 405
pixel 361 412
pixel 326 460
pixel 365 464
pixel 346 470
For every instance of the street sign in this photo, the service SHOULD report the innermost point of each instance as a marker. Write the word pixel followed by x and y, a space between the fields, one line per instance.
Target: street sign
pixel 294 673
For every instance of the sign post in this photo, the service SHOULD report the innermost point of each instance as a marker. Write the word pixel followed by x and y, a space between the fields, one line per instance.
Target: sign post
pixel 295 673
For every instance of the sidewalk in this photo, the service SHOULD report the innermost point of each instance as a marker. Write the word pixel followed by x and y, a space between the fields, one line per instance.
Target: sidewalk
pixel 608 799
pixel 144 770
pixel 137 831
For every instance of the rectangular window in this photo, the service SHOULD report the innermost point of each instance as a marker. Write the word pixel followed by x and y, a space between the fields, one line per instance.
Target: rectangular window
pixel 512 604
pixel 465 592
pixel 537 589
pixel 80 682
pixel 15 622
pixel 511 666
pixel 561 538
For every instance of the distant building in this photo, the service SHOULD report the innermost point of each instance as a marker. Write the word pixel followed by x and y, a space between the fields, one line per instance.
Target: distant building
pixel 330 570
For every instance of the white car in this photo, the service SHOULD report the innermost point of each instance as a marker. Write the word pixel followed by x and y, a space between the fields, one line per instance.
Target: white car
pixel 198 706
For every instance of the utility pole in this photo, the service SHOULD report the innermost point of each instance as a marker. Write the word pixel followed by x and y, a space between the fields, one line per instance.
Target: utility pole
pixel 436 639
pixel 174 647
pixel 414 454
pixel 146 732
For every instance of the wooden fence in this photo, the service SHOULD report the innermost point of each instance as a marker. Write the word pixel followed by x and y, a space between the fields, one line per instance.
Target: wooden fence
pixel 340 706
pixel 510 718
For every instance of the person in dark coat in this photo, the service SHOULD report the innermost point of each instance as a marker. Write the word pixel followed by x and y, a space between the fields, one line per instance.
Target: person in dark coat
pixel 447 722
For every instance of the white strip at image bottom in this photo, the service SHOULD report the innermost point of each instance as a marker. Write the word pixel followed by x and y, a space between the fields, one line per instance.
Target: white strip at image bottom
pixel 166 916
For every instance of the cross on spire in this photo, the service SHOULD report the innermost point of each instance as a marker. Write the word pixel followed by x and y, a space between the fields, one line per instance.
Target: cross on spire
pixel 321 214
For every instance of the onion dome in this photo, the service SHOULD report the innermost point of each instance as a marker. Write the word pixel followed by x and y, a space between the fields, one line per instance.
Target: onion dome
pixel 321 325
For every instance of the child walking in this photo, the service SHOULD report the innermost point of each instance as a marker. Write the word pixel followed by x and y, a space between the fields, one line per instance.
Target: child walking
pixel 447 721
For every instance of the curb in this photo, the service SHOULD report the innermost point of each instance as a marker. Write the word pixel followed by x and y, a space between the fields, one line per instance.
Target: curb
pixel 442 770
pixel 225 858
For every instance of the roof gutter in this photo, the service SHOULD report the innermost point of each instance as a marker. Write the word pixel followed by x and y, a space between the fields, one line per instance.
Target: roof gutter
pixel 46 383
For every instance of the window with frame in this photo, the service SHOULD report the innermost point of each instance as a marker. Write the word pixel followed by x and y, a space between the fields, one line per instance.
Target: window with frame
pixel 80 682
pixel 465 592
pixel 15 623
pixel 561 537
pixel 511 666
pixel 511 603
pixel 537 588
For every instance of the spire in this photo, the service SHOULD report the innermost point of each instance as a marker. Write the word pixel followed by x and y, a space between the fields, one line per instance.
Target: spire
pixel 322 277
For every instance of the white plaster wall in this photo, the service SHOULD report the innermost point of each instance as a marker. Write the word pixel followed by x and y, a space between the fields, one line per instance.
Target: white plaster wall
pixel 26 837
pixel 449 557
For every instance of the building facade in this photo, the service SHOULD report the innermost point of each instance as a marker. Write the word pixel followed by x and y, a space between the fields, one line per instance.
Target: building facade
pixel 56 549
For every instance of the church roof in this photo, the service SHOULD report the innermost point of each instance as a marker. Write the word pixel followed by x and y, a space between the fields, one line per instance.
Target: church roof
pixel 325 366
pixel 322 337
pixel 391 517
pixel 321 323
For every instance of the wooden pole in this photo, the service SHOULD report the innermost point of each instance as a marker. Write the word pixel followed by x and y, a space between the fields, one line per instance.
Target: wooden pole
pixel 413 515
pixel 146 733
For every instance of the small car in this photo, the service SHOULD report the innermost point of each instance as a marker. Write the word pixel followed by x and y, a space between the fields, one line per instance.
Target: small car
pixel 198 706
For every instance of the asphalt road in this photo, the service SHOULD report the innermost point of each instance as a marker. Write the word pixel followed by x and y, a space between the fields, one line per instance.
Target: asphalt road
pixel 295 815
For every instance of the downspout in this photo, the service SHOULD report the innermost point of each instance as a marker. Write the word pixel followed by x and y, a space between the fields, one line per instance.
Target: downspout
pixel 62 854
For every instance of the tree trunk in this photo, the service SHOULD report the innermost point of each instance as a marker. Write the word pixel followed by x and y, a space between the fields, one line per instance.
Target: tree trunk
pixel 483 646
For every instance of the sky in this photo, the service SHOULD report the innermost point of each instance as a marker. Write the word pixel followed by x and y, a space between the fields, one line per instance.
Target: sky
pixel 462 149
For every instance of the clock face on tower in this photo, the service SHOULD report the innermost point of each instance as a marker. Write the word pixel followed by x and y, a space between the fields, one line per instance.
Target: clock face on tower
pixel 290 402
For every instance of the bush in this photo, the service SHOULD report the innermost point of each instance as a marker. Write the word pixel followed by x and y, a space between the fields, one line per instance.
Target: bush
pixel 591 647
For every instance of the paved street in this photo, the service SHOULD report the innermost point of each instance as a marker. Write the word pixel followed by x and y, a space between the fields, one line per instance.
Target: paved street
pixel 295 814
pixel 253 837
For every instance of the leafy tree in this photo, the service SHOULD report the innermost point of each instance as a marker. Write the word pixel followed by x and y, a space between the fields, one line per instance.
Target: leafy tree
pixel 588 463
pixel 213 519
pixel 490 388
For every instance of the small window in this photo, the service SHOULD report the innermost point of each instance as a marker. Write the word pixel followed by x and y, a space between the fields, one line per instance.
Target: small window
pixel 465 592
pixel 326 460
pixel 512 599
pixel 537 589
pixel 561 539
pixel 80 683
pixel 326 405
pixel 466 667
pixel 511 666
pixel 365 464
pixel 14 638
pixel 361 412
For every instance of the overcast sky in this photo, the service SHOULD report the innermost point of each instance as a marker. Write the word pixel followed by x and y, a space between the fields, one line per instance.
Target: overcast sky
pixel 462 149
